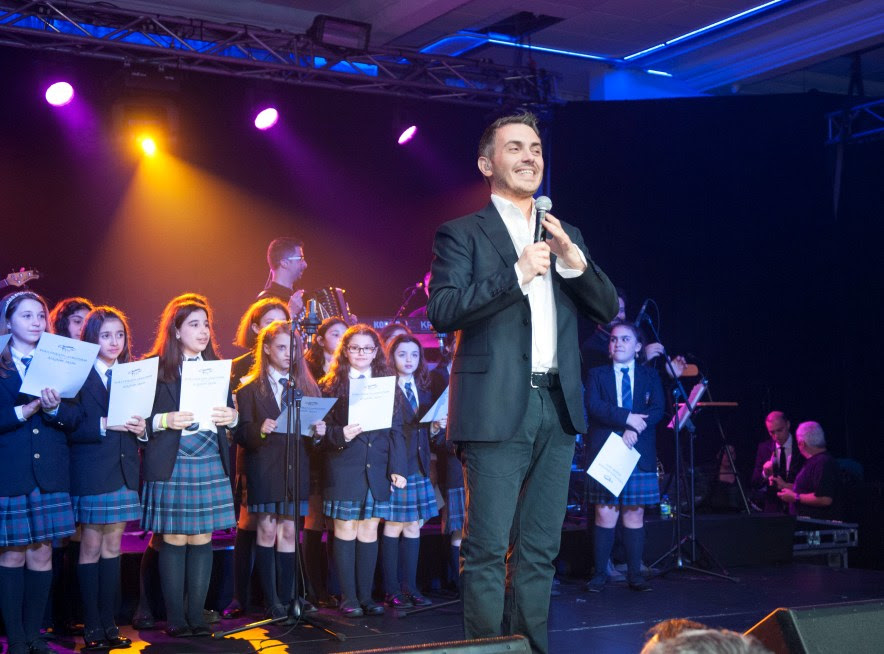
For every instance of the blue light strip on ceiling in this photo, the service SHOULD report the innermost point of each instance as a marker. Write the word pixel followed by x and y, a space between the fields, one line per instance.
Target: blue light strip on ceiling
pixel 541 48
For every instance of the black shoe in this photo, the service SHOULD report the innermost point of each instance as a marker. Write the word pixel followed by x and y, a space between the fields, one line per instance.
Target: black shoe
pixel 178 631
pixel 143 621
pixel 201 630
pixel 399 601
pixel 276 611
pixel 95 646
pixel 350 609
pixel 640 586
pixel 419 600
pixel 18 648
pixel 233 610
pixel 596 584
pixel 119 642
pixel 372 608
pixel 211 616
pixel 327 602
pixel 39 646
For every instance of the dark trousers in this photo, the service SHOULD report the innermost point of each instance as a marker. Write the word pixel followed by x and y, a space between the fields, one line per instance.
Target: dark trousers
pixel 517 492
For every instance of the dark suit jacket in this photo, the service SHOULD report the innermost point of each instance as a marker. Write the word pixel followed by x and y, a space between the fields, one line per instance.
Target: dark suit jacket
pixel 265 458
pixel 367 461
pixel 158 458
pixel 449 471
pixel 605 416
pixel 417 434
pixel 34 452
pixel 100 464
pixel 764 494
pixel 474 289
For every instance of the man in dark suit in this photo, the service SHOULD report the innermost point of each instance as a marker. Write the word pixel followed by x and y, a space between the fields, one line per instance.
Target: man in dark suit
pixel 777 462
pixel 515 391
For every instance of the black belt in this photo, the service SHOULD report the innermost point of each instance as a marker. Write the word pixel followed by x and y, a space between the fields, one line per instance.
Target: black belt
pixel 545 379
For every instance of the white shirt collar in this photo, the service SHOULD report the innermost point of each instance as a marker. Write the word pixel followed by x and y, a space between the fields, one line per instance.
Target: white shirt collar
pixel 355 374
pixel 630 365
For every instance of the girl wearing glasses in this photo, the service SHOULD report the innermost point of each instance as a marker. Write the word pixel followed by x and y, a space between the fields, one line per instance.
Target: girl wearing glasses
pixel 416 503
pixel 360 467
pixel 261 401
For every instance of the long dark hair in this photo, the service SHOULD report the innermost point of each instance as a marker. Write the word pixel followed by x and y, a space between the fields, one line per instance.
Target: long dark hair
pixel 166 345
pixel 301 376
pixel 94 321
pixel 60 316
pixel 421 374
pixel 245 335
pixel 336 383
pixel 316 352
pixel 9 304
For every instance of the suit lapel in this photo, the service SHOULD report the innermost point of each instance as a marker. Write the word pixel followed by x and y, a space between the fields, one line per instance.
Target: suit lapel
pixel 267 402
pixel 96 389
pixel 492 224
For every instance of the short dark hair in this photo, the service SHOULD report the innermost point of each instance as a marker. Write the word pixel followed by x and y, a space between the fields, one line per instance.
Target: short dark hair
pixel 631 327
pixel 486 142
pixel 280 248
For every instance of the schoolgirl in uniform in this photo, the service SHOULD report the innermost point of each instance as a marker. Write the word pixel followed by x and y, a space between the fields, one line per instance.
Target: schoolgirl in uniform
pixel 104 480
pixel 417 501
pixel 359 467
pixel 261 401
pixel 186 494
pixel 67 317
pixel 319 357
pixel 260 314
pixel 35 505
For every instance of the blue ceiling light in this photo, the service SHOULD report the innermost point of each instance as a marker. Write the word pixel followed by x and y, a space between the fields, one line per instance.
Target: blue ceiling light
pixel 651 71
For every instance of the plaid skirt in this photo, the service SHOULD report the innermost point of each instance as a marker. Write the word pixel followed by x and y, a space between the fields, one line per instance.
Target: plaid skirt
pixel 356 510
pixel 456 503
pixel 197 498
pixel 35 518
pixel 416 501
pixel 281 508
pixel 641 489
pixel 120 505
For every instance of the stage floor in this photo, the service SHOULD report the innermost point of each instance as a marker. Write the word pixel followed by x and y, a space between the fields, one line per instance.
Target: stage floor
pixel 614 621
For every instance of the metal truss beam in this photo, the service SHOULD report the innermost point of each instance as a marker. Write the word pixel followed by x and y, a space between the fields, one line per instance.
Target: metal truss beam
pixel 863 122
pixel 174 42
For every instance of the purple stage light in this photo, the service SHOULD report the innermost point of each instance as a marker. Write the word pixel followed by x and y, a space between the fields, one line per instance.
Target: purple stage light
pixel 407 135
pixel 266 118
pixel 59 94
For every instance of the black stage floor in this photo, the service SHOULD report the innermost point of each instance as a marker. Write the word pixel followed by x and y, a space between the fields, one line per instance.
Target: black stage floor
pixel 614 621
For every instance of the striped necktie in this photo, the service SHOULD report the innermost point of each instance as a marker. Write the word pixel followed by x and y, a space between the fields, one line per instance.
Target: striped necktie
pixel 409 393
pixel 108 373
pixel 626 389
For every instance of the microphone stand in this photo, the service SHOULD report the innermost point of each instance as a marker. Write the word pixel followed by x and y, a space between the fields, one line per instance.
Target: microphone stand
pixel 409 294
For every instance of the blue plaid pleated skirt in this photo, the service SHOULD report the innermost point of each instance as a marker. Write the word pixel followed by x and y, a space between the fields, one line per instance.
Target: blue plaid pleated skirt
pixel 281 508
pixel 641 489
pixel 35 517
pixel 416 501
pixel 197 498
pixel 455 500
pixel 120 505
pixel 357 510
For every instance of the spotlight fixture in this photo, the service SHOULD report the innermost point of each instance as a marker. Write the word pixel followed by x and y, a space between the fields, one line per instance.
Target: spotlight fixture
pixel 148 145
pixel 407 134
pixel 59 94
pixel 266 118
pixel 339 32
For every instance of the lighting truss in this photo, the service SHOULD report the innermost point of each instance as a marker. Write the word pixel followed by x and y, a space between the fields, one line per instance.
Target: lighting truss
pixel 863 122
pixel 235 50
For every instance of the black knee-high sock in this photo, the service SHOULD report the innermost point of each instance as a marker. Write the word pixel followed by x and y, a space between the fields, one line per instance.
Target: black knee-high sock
pixel 410 548
pixel 87 573
pixel 12 584
pixel 286 565
pixel 146 586
pixel 55 607
pixel 313 555
pixel 36 594
pixel 604 542
pixel 390 564
pixel 172 566
pixel 366 562
pixel 331 571
pixel 197 578
pixel 634 544
pixel 265 563
pixel 243 556
pixel 108 591
pixel 454 564
pixel 345 563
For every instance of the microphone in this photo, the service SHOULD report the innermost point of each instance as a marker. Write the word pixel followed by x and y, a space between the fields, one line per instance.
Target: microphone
pixel 542 204
pixel 642 314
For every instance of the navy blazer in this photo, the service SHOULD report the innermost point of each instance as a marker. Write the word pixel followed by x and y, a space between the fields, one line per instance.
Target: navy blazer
pixel 161 449
pixel 33 453
pixel 474 289
pixel 367 461
pixel 100 464
pixel 265 463
pixel 605 416
pixel 417 433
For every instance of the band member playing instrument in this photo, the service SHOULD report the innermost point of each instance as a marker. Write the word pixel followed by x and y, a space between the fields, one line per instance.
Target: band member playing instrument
pixel 287 263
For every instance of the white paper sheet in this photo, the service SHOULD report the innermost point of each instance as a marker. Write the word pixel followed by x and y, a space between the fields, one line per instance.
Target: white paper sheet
pixel 439 408
pixel 371 402
pixel 61 363
pixel 4 339
pixel 133 388
pixel 312 409
pixel 613 464
pixel 204 386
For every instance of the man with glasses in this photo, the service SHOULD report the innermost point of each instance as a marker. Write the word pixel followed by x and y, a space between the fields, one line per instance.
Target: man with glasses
pixel 286 260
pixel 777 463
pixel 516 399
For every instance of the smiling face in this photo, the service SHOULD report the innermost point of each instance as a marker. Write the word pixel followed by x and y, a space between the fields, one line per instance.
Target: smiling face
pixel 27 324
pixel 194 333
pixel 623 346
pixel 277 352
pixel 406 358
pixel 111 341
pixel 360 352
pixel 515 167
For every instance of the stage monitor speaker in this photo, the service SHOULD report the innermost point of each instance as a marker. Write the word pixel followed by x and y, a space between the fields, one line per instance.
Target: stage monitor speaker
pixel 850 627
pixel 499 645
